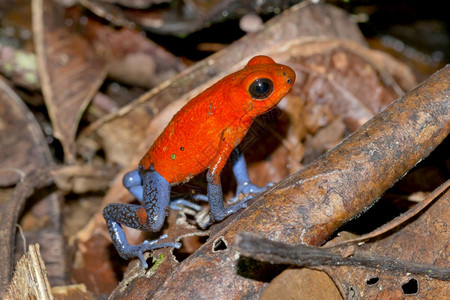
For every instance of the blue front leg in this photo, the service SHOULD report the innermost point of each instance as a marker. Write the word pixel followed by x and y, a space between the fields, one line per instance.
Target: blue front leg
pixel 215 198
pixel 153 191
pixel 244 185
pixel 215 195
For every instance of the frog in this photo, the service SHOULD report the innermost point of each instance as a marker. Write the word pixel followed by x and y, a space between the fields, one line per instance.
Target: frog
pixel 201 137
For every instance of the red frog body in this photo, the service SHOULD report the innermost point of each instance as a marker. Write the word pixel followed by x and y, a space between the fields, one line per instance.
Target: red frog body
pixel 202 135
pixel 192 141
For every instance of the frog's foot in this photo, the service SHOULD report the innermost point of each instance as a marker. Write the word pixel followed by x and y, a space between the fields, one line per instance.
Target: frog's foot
pixel 204 219
pixel 246 188
pixel 129 251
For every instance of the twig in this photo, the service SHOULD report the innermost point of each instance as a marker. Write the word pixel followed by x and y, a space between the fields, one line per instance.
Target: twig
pixel 263 249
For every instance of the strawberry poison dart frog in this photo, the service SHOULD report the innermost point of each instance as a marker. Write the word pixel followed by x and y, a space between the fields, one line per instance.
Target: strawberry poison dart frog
pixel 201 136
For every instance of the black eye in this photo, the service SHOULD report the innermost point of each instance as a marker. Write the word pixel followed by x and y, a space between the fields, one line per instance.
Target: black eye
pixel 261 88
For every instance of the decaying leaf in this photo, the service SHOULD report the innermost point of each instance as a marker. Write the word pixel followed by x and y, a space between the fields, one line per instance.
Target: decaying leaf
pixel 70 72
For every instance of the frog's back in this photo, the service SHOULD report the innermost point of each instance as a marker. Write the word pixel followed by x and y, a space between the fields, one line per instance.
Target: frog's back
pixel 190 142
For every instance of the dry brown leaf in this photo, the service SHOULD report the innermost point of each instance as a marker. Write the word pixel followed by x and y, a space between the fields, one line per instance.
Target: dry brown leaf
pixel 70 72
pixel 30 278
pixel 139 61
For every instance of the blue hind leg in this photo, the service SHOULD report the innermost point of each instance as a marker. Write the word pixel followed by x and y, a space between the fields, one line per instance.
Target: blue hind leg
pixel 149 216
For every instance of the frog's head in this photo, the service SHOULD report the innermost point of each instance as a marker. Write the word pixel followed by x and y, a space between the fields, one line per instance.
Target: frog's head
pixel 264 83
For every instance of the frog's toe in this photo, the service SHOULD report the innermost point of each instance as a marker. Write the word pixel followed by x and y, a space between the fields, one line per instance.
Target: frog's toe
pixel 270 184
pixel 249 188
pixel 242 204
